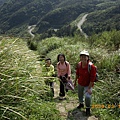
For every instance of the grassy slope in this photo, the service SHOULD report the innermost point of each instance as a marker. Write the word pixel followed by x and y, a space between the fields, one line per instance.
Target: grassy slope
pixel 23 93
pixel 22 90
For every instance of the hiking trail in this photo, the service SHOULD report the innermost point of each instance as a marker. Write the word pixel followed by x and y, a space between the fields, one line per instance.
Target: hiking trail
pixel 67 108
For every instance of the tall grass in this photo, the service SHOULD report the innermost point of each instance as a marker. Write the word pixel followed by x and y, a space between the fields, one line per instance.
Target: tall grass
pixel 108 40
pixel 23 93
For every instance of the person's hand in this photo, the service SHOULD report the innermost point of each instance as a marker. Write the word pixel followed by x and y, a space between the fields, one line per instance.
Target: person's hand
pixel 89 91
pixel 59 78
pixel 68 77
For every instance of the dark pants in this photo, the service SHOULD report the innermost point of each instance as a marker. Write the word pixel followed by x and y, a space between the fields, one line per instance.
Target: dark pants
pixel 62 86
pixel 52 87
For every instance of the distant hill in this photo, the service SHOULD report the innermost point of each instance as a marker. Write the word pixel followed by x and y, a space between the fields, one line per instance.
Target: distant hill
pixel 16 15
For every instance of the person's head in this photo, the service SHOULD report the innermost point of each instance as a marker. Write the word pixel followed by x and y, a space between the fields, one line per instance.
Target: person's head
pixel 48 61
pixel 61 58
pixel 84 56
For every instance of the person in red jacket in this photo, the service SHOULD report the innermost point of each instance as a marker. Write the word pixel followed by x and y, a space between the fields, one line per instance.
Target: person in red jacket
pixel 85 80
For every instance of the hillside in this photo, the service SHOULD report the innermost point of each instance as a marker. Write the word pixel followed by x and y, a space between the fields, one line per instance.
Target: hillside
pixel 24 94
pixel 110 19
pixel 17 15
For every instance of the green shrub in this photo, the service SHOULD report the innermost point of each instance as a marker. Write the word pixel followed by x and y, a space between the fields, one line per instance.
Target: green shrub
pixel 47 45
pixel 107 40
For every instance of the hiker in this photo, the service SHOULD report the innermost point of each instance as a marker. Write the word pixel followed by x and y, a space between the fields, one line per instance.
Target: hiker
pixel 64 74
pixel 85 81
pixel 48 72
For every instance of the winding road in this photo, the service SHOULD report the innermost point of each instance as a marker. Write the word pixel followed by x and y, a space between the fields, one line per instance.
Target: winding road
pixel 80 23
pixel 30 29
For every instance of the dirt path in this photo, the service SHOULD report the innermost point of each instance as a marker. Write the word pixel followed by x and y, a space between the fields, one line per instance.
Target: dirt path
pixel 68 109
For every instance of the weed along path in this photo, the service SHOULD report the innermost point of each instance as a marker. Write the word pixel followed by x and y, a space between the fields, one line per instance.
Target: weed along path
pixel 67 108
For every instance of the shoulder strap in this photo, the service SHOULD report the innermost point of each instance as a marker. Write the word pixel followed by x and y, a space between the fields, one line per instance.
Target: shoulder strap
pixel 89 66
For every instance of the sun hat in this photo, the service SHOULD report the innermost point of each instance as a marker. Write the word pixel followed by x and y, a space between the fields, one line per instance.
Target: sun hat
pixel 84 52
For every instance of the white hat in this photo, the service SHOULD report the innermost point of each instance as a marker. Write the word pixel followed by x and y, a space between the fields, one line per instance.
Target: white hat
pixel 84 52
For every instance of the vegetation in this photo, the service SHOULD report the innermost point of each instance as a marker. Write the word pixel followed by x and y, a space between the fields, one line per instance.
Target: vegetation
pixel 104 55
pixel 23 94
pixel 50 15
pixel 95 23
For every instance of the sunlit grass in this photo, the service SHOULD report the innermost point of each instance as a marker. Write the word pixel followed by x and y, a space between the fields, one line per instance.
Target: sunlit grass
pixel 23 93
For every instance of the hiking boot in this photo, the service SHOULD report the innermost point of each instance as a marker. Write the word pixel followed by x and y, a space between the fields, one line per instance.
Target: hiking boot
pixel 80 106
pixel 62 98
pixel 87 111
pixel 66 90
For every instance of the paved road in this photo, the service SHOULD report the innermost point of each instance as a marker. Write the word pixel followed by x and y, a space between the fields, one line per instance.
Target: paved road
pixel 80 23
pixel 30 29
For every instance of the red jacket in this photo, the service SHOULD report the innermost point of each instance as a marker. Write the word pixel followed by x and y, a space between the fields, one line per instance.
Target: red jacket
pixel 85 76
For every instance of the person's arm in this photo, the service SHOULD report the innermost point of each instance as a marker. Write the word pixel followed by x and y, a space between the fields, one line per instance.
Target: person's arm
pixel 92 74
pixel 90 85
pixel 77 75
pixel 51 72
pixel 76 78
pixel 69 71
pixel 58 71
